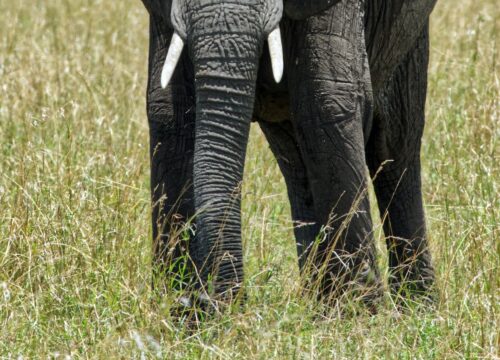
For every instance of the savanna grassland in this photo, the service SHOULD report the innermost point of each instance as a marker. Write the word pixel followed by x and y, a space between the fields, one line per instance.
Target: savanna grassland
pixel 75 248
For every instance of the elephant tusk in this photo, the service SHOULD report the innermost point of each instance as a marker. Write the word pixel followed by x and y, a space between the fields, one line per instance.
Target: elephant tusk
pixel 173 56
pixel 276 51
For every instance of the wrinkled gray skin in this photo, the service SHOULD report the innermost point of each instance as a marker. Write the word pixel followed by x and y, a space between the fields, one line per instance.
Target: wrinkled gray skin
pixel 353 98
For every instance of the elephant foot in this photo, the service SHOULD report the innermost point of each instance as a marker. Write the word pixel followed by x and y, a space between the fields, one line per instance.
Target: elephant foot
pixel 196 307
pixel 413 285
pixel 353 302
pixel 345 289
pixel 190 310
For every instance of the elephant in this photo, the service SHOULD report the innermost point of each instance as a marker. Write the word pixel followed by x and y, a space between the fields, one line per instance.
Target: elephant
pixel 339 92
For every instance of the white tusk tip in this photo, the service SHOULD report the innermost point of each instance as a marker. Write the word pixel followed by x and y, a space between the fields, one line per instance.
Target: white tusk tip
pixel 278 74
pixel 276 52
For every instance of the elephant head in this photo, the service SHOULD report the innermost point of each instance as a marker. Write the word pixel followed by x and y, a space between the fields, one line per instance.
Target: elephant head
pixel 236 24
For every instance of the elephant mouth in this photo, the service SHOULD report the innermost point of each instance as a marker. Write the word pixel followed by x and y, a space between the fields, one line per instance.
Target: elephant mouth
pixel 203 19
pixel 272 107
pixel 177 45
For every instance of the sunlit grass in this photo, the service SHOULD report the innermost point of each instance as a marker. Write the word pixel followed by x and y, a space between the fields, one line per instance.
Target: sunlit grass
pixel 75 244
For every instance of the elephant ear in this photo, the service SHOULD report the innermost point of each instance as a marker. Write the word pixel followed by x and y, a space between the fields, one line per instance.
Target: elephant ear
pixel 168 12
pixel 302 9
pixel 159 9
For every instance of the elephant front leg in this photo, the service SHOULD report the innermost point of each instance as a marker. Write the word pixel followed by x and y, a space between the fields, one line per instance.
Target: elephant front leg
pixel 343 259
pixel 171 123
pixel 172 205
pixel 331 107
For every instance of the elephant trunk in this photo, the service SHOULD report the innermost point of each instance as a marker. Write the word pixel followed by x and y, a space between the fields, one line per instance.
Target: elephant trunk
pixel 225 93
pixel 225 42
